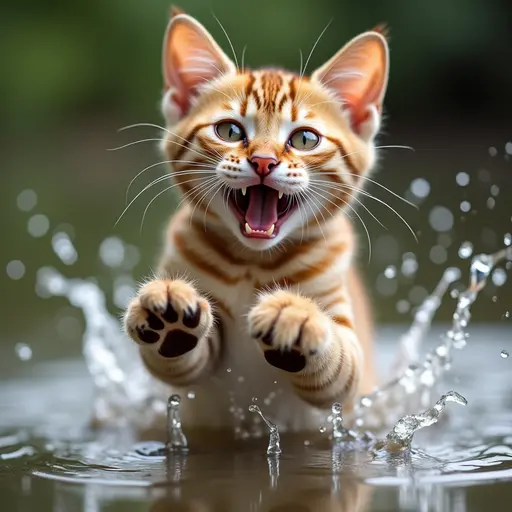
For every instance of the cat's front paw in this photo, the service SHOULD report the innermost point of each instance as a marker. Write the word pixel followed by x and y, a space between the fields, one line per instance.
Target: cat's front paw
pixel 168 316
pixel 290 329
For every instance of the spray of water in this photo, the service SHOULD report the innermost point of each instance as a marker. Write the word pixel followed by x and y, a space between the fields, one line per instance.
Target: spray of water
pixel 274 442
pixel 127 393
pixel 400 436
pixel 415 386
pixel 176 438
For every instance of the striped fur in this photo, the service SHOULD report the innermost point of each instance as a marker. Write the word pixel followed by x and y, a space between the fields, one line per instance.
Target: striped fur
pixel 289 304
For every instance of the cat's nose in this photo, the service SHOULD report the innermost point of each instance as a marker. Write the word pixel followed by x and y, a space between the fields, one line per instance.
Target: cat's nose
pixel 263 165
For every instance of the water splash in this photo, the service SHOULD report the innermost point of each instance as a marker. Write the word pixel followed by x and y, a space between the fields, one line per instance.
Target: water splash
pixel 126 393
pixel 400 437
pixel 413 387
pixel 176 440
pixel 274 446
pixel 340 434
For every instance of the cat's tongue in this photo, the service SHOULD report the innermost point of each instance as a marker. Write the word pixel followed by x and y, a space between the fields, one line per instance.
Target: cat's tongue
pixel 261 211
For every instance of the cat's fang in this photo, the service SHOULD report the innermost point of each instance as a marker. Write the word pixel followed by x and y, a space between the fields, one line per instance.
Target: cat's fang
pixel 281 194
pixel 248 229
pixel 270 230
pixel 244 191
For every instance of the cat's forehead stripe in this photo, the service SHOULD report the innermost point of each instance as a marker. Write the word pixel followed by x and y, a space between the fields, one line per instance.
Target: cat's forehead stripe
pixel 270 91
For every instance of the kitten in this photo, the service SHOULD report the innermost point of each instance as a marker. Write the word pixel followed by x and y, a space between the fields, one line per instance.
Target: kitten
pixel 256 282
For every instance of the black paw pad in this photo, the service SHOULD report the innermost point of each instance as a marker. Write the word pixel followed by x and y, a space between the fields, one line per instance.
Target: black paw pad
pixel 147 336
pixel 191 318
pixel 177 343
pixel 154 322
pixel 170 314
pixel 291 361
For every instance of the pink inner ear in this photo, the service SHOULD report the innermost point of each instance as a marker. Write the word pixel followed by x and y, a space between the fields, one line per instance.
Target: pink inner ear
pixel 191 59
pixel 358 75
pixel 358 105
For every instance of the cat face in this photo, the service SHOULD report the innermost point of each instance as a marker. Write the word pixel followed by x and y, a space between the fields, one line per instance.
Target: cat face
pixel 270 153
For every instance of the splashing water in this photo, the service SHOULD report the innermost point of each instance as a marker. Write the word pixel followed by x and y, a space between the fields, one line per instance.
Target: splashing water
pixel 415 382
pixel 274 446
pixel 126 393
pixel 340 434
pixel 400 437
pixel 176 438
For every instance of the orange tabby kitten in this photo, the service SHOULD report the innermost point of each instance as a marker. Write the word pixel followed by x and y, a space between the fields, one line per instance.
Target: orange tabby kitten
pixel 256 282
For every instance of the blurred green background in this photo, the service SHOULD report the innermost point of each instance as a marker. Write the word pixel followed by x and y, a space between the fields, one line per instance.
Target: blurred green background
pixel 73 73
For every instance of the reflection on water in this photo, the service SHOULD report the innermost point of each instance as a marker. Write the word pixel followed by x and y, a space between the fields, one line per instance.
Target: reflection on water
pixel 41 464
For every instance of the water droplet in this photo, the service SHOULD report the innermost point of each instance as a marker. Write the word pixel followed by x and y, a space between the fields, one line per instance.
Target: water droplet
pixel 507 239
pixel 390 272
pixel 495 190
pixel 176 440
pixel 493 151
pixel 38 225
pixel 465 250
pixel 254 399
pixel 253 408
pixel 63 248
pixel 366 401
pixel 112 251
pixel 409 265
pixel 26 200
pixel 306 442
pixel 441 219
pixel 491 203
pixel 228 370
pixel 504 354
pixel 241 379
pixel 275 382
pixel 465 206
pixel 506 315
pixel 124 290
pixel 15 269
pixel 462 179
pixel 191 395
pixel 420 187
pixel 499 277
pixel 322 430
pixel 508 148
pixel 336 408
pixel 403 306
pixel 174 400
pixel 438 254
pixel 23 351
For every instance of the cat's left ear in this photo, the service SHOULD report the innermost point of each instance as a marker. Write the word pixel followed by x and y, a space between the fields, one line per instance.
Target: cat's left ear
pixel 358 75
pixel 191 59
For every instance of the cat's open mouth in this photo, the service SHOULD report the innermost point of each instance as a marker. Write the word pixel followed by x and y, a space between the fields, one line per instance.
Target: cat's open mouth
pixel 261 210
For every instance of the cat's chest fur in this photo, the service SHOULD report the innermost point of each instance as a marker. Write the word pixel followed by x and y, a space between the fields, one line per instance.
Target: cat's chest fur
pixel 242 374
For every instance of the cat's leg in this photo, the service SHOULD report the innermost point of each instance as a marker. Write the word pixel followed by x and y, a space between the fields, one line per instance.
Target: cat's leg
pixel 174 328
pixel 319 352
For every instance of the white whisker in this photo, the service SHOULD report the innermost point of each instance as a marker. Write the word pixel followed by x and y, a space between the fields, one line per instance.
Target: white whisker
pixel 357 215
pixel 229 41
pixel 156 165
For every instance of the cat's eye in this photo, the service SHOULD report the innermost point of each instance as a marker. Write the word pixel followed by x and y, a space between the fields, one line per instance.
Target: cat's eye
pixel 229 131
pixel 304 140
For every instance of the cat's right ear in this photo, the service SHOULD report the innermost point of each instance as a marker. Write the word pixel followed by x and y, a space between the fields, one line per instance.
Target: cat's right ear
pixel 191 59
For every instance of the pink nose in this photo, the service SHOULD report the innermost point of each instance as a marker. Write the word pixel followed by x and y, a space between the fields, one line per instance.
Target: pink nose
pixel 263 165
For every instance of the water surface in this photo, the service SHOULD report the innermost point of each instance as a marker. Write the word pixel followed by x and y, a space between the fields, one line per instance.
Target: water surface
pixel 51 459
